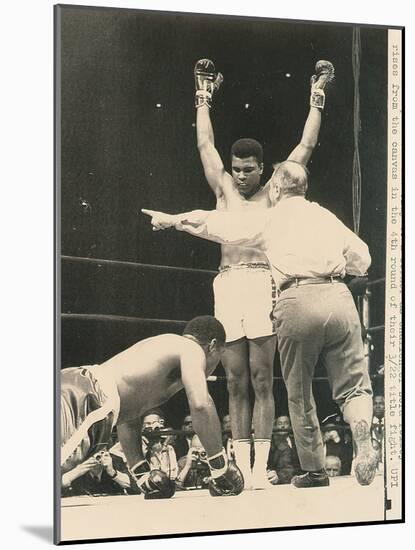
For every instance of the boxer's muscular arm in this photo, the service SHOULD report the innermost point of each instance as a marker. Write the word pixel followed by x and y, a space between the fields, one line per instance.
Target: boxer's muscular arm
pixel 303 151
pixel 202 408
pixel 232 228
pixel 129 435
pixel 323 77
pixel 207 83
pixel 212 163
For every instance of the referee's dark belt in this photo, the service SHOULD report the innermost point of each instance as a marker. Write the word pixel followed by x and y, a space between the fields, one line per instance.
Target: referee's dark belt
pixel 300 281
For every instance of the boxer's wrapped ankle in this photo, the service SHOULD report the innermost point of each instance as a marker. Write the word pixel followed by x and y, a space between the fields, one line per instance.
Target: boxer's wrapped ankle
pixel 218 464
pixel 140 468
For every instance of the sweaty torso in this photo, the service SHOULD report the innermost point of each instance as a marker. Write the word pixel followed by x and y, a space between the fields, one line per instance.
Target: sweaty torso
pixel 147 374
pixel 231 200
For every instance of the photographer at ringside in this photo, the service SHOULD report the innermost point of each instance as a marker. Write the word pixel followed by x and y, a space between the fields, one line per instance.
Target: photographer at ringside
pixel 193 468
pixel 101 474
pixel 158 452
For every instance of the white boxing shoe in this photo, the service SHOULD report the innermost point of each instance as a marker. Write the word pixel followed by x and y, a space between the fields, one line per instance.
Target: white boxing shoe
pixel 260 480
pixel 247 479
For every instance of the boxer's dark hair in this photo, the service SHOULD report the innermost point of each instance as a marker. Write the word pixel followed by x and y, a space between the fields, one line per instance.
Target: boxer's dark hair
pixel 205 328
pixel 247 147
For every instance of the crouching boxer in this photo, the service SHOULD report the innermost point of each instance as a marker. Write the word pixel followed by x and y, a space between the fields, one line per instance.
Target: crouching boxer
pixel 96 398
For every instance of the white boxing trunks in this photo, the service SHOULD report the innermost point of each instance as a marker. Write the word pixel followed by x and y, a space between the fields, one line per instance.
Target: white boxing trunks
pixel 245 296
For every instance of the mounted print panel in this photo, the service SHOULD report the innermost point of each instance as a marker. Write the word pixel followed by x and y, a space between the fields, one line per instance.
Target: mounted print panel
pixel 228 273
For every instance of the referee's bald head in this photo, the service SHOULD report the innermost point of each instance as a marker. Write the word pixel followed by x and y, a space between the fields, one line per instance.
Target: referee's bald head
pixel 290 178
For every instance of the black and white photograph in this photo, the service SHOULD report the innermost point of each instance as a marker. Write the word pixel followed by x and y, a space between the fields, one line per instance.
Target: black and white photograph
pixel 228 281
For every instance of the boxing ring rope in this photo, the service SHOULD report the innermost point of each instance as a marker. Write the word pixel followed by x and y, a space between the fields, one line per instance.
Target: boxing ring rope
pixel 363 303
pixel 119 318
pixel 214 378
pixel 377 328
pixel 138 265
pixel 376 282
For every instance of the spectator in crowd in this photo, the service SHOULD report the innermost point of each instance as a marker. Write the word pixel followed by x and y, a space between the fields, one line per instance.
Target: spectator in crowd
pixel 162 457
pixel 283 462
pixel 158 452
pixel 193 468
pixel 282 428
pixel 378 418
pixel 227 437
pixel 187 428
pixel 170 439
pixel 378 407
pixel 184 442
pixel 101 474
pixel 152 420
pixel 337 441
pixel 333 466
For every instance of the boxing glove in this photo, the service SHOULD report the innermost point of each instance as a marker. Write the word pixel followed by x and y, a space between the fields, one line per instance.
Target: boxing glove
pixel 207 81
pixel 153 484
pixel 324 75
pixel 226 478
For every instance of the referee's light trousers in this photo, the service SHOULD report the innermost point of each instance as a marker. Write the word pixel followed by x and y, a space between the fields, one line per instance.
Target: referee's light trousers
pixel 320 321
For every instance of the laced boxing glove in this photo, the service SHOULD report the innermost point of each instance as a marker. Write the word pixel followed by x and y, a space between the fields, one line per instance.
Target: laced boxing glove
pixel 163 486
pixel 207 81
pixel 324 75
pixel 226 478
pixel 153 484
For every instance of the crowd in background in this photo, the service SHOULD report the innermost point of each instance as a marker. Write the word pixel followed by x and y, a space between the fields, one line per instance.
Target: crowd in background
pixel 179 453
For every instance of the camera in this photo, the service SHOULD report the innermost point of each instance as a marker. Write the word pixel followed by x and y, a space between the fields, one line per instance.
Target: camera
pixel 152 434
pixel 200 456
pixel 98 456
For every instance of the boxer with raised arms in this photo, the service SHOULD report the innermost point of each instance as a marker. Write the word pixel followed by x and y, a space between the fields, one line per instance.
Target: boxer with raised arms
pixel 244 290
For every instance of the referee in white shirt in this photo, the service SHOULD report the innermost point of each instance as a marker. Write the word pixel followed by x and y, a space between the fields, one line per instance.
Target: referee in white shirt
pixel 309 250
